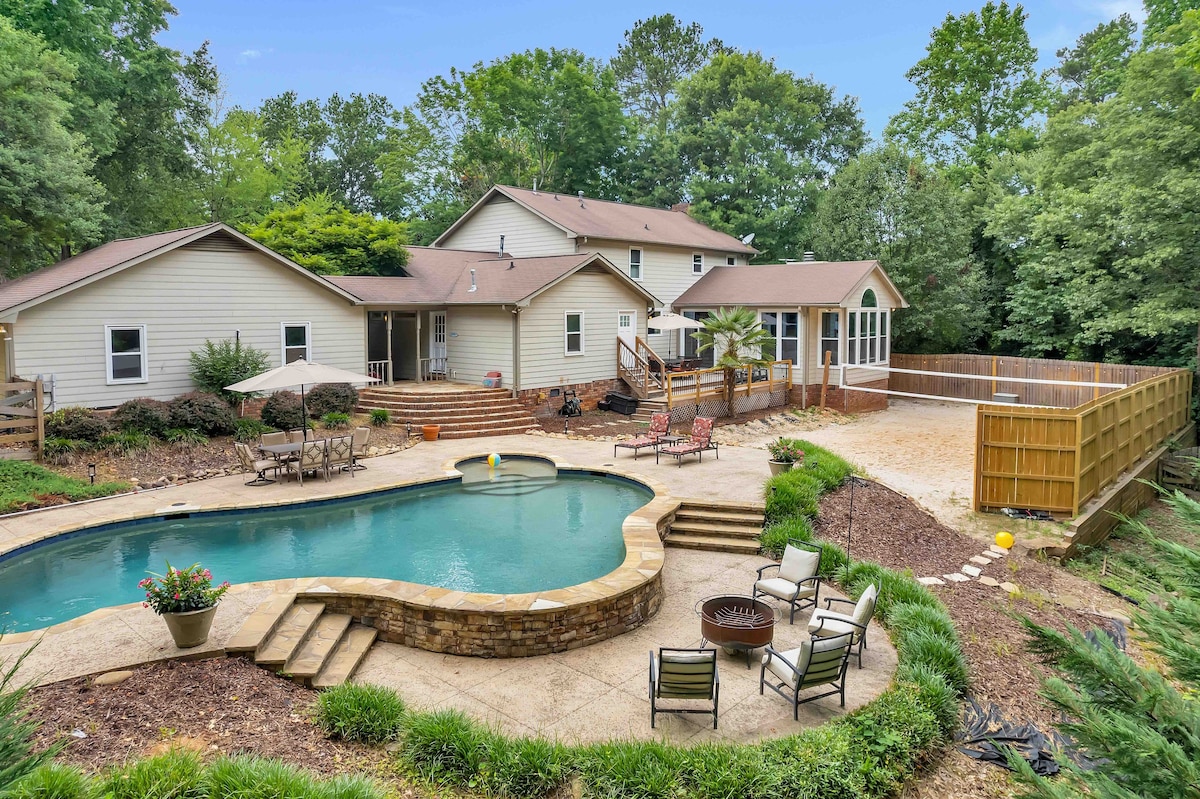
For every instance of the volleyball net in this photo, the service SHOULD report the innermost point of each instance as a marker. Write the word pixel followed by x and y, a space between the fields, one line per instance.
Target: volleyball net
pixel 1026 392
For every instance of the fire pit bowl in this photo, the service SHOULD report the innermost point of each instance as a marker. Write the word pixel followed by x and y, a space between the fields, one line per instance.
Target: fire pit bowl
pixel 736 622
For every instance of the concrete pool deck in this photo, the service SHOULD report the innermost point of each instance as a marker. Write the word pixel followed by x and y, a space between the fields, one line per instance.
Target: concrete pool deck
pixel 591 693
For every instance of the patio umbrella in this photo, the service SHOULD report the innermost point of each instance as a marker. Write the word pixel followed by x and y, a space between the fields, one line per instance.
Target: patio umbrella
pixel 299 373
pixel 673 321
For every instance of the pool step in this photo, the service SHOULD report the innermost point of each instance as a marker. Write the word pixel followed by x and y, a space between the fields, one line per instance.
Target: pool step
pixel 288 635
pixel 713 543
pixel 349 652
pixel 323 637
pixel 716 529
pixel 260 624
pixel 716 526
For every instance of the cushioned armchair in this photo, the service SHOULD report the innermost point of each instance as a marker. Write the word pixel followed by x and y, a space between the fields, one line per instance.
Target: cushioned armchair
pixel 795 579
pixel 256 466
pixel 684 674
pixel 816 662
pixel 827 623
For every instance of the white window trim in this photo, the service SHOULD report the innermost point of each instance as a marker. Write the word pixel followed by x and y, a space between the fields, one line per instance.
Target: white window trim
pixel 696 255
pixel 582 337
pixel 731 260
pixel 641 263
pixel 839 341
pixel 108 355
pixel 283 347
pixel 881 338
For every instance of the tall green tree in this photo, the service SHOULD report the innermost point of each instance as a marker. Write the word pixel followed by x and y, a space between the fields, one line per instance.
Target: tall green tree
pixel 139 105
pixel 287 118
pixel 656 55
pixel 756 143
pixel 48 200
pixel 330 239
pixel 977 89
pixel 1092 70
pixel 890 205
pixel 1161 15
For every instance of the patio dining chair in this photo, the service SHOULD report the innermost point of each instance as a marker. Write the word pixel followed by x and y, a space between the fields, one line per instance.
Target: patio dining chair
pixel 339 455
pixel 660 425
pixel 795 581
pixel 827 623
pixel 259 467
pixel 296 437
pixel 687 674
pixel 311 459
pixel 816 662
pixel 362 436
pixel 699 441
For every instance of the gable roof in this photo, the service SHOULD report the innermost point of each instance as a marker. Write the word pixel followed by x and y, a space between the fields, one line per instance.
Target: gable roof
pixel 794 284
pixel 604 219
pixel 91 265
pixel 440 276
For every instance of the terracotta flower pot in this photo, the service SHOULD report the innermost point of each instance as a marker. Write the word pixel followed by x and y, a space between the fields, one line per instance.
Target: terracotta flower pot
pixel 191 628
pixel 779 467
pixel 430 431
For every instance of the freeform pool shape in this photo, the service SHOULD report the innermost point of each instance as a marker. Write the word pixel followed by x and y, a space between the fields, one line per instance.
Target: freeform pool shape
pixel 524 527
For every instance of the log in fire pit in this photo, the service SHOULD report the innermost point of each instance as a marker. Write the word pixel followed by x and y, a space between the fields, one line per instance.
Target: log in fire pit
pixel 736 622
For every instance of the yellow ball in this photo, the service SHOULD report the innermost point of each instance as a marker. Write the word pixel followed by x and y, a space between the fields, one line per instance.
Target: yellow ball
pixel 493 460
pixel 1004 539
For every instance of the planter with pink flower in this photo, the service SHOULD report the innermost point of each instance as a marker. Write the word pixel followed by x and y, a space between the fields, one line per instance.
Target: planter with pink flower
pixel 785 453
pixel 187 600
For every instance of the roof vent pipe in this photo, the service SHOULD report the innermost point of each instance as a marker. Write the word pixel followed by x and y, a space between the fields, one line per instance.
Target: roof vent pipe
pixel 809 256
pixel 473 286
pixel 580 195
pixel 501 253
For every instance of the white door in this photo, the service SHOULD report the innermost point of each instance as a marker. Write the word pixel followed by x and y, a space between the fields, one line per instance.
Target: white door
pixel 627 326
pixel 437 336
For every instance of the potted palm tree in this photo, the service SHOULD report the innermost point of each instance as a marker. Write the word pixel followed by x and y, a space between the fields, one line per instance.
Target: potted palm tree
pixel 187 601
pixel 738 340
pixel 785 453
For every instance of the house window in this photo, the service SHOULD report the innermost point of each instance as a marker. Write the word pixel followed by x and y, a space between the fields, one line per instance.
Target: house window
pixel 784 327
pixel 635 263
pixel 297 341
pixel 698 263
pixel 829 336
pixel 573 333
pixel 730 260
pixel 868 333
pixel 125 354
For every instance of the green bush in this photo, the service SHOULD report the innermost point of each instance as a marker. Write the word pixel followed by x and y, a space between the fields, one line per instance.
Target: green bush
pixel 18 757
pixel 794 493
pixel 446 747
pixel 62 451
pixel 78 424
pixel 222 364
pixel 937 694
pixel 186 437
pixel 829 469
pixel 635 769
pixel 282 411
pixel 207 413
pixel 941 654
pixel 380 417
pixel 52 781
pixel 250 430
pixel 905 616
pixel 254 778
pixel 148 416
pixel 336 421
pixel 176 774
pixel 126 441
pixel 25 485
pixel 524 767
pixel 331 398
pixel 775 536
pixel 890 736
pixel 354 712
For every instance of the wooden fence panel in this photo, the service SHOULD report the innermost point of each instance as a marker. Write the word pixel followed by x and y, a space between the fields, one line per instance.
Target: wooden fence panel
pixel 21 419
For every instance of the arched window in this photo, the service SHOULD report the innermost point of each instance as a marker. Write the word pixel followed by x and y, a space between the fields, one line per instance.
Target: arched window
pixel 868 299
pixel 867 337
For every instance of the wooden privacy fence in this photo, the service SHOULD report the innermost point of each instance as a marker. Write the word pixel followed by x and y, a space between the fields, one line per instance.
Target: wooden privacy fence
pixel 1057 459
pixel 21 419
pixel 1000 367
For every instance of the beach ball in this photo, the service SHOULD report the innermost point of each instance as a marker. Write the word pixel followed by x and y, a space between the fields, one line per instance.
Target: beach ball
pixel 1004 539
pixel 493 460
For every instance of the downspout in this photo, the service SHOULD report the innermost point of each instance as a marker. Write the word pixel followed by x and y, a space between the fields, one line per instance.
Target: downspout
pixel 516 339
pixel 804 361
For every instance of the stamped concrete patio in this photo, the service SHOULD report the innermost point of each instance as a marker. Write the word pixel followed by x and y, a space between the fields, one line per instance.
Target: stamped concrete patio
pixel 592 693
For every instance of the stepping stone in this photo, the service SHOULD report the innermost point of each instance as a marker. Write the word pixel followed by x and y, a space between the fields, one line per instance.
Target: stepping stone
pixel 998 551
pixel 112 678
pixel 982 561
pixel 989 555
pixel 957 578
pixel 990 581
pixel 971 571
pixel 931 581
pixel 1010 588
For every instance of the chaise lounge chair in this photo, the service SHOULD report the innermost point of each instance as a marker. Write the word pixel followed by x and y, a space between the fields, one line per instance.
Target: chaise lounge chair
pixel 660 425
pixel 697 443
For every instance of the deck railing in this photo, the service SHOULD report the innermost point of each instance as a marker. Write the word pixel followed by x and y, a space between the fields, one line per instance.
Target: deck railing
pixel 434 368
pixel 694 388
pixel 640 367
pixel 380 370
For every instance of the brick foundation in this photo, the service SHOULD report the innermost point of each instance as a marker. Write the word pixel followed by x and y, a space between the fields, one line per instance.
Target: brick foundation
pixel 541 404
pixel 837 399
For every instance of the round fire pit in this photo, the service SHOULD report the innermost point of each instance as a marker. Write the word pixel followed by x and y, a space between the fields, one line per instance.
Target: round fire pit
pixel 736 622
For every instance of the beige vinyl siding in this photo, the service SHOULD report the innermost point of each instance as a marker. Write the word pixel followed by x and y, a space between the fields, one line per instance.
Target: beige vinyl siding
pixel 884 296
pixel 666 273
pixel 600 297
pixel 478 341
pixel 525 233
pixel 182 297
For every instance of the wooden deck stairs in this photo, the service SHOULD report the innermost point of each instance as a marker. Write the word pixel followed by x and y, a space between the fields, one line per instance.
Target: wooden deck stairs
pixel 717 526
pixel 301 641
pixel 465 413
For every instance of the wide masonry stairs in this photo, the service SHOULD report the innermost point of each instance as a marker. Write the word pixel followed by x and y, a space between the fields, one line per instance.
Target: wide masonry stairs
pixel 717 526
pixel 460 413
pixel 300 640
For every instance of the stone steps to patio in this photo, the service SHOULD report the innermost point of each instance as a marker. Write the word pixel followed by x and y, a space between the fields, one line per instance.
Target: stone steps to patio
pixel 302 641
pixel 460 413
pixel 716 526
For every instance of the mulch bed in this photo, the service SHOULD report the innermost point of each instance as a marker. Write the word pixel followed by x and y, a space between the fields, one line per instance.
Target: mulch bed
pixel 893 531
pixel 215 707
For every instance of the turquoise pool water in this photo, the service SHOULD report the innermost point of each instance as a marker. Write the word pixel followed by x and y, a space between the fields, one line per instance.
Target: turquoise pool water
pixel 521 528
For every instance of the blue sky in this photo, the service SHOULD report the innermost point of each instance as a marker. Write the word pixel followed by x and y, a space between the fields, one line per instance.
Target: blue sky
pixel 264 47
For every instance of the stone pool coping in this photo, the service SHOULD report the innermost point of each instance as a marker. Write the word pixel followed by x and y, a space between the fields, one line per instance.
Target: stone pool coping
pixel 446 620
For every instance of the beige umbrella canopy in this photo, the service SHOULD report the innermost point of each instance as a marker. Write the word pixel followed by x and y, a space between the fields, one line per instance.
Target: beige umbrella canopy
pixel 673 321
pixel 298 373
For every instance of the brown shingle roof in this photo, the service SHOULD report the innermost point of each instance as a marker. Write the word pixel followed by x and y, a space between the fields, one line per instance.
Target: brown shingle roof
pixel 88 264
pixel 603 219
pixel 795 284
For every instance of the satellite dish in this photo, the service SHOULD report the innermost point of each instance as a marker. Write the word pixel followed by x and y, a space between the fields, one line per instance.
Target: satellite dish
pixel 749 237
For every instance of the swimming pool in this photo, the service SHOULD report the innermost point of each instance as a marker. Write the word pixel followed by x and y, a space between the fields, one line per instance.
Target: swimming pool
pixel 524 528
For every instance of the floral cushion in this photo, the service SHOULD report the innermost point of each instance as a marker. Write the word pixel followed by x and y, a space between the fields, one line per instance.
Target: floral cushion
pixel 660 424
pixel 702 429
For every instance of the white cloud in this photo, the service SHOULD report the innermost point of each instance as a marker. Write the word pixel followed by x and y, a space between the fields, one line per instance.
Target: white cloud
pixel 1111 9
pixel 249 55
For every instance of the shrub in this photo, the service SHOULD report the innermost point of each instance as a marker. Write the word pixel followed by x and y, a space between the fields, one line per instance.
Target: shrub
pixel 939 653
pixel 61 451
pixel 889 736
pixel 222 364
pixel 51 781
pixel 148 416
pixel 367 713
pixel 524 767
pixel 17 754
pixel 793 493
pixel 447 747
pixel 336 421
pixel 177 774
pixel 642 769
pixel 829 469
pixel 248 430
pixel 775 536
pixel 282 411
pixel 937 694
pixel 186 437
pixel 207 413
pixel 331 398
pixel 380 417
pixel 906 616
pixel 125 442
pixel 78 424
pixel 245 777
